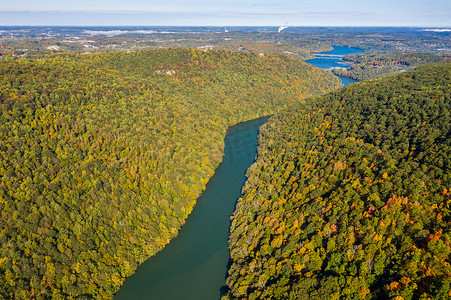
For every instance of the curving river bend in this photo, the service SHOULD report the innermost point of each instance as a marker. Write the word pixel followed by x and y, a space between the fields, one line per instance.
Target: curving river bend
pixel 193 265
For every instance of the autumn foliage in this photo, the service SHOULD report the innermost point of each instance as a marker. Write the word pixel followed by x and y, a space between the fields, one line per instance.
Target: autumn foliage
pixel 349 196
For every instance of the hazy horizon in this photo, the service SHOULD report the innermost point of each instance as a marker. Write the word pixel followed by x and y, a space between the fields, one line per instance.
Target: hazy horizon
pixel 425 28
pixel 364 13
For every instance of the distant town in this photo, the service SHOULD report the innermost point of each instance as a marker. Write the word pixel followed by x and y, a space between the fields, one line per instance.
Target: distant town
pixel 299 42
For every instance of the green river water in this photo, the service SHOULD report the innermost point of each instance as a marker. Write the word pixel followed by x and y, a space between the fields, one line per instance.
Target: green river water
pixel 194 264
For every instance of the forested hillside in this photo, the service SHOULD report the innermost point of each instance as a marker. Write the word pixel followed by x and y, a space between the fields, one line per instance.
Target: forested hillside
pixel 374 66
pixel 102 157
pixel 350 196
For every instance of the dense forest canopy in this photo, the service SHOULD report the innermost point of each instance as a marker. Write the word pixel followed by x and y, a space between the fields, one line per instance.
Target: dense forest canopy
pixel 370 66
pixel 350 196
pixel 299 42
pixel 102 156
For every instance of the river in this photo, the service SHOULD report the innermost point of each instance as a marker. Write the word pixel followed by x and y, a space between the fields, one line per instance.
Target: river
pixel 193 265
pixel 332 59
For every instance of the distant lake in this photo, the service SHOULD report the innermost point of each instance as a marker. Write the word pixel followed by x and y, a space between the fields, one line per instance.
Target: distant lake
pixel 332 59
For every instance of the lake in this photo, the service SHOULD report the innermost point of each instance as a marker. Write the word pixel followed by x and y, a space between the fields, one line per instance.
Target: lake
pixel 194 264
pixel 332 59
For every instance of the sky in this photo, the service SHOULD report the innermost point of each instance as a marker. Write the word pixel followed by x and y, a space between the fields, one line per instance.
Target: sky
pixel 421 13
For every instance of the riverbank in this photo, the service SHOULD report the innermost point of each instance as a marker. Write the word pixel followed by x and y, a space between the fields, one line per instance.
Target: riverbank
pixel 194 264
pixel 334 59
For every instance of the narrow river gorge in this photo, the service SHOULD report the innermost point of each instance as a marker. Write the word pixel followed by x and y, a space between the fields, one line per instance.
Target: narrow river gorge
pixel 194 264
